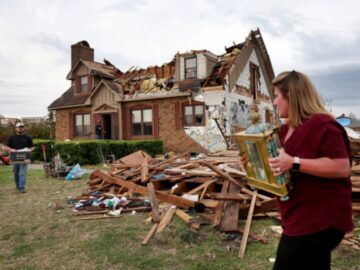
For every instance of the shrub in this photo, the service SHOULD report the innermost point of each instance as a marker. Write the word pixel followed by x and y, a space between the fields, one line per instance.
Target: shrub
pixel 49 149
pixel 96 151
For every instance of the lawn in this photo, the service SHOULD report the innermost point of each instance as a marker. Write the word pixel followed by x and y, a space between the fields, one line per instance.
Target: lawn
pixel 38 231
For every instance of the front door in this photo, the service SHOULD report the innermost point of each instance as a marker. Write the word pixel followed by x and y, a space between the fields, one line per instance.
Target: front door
pixel 107 126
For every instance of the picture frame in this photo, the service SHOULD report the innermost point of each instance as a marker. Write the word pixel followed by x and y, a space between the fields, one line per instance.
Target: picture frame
pixel 257 149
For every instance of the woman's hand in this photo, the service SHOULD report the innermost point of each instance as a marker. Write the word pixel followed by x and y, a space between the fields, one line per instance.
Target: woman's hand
pixel 281 163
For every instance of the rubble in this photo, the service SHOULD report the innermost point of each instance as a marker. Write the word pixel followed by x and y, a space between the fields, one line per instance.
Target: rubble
pixel 201 190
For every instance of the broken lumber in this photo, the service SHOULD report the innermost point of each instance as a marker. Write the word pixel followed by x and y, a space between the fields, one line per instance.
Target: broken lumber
pixel 247 226
pixel 154 204
pixel 230 219
pixel 220 206
pixel 187 219
pixel 222 173
pixel 150 234
pixel 166 218
pixel 172 199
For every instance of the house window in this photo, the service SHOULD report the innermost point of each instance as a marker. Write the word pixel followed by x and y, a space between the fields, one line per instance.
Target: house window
pixel 141 122
pixel 82 125
pixel 84 84
pixel 194 115
pixel 254 80
pixel 190 68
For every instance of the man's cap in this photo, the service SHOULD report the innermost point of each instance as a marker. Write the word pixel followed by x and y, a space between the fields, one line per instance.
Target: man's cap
pixel 19 124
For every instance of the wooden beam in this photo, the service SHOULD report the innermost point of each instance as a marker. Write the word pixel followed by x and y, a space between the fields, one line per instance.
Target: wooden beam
pixel 222 173
pixel 202 186
pixel 260 196
pixel 229 197
pixel 172 199
pixel 247 226
pixel 165 220
pixel 144 171
pixel 154 204
pixel 150 234
pixel 187 219
pixel 219 208
pixel 230 220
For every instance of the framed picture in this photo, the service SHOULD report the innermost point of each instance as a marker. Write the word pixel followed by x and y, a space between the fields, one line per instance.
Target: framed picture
pixel 257 149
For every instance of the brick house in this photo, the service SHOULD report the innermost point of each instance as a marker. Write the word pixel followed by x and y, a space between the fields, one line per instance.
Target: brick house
pixel 191 102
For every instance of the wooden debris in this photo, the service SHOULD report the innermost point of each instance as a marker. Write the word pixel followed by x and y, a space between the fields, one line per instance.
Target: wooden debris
pixel 187 219
pixel 172 199
pixel 165 220
pixel 154 204
pixel 223 174
pixel 150 234
pixel 247 226
pixel 230 220
pixel 220 206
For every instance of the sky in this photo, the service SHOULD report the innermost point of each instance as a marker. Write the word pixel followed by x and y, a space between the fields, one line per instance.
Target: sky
pixel 319 38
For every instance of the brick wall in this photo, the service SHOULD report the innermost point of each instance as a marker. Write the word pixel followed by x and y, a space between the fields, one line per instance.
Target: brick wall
pixel 62 125
pixel 65 123
pixel 174 139
pixel 168 128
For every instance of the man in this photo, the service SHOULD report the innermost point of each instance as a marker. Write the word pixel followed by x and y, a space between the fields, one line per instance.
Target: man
pixel 16 142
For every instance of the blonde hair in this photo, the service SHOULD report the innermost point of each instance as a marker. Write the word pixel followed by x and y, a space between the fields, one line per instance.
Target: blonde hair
pixel 303 98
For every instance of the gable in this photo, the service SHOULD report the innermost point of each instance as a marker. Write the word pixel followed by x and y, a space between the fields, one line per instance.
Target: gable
pixel 105 108
pixel 79 69
pixel 102 95
pixel 243 80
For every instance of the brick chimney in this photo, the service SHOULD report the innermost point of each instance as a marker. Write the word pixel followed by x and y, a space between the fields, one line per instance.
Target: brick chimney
pixel 81 50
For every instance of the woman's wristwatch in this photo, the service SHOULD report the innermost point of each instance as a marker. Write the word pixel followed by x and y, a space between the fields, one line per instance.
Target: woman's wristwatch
pixel 296 165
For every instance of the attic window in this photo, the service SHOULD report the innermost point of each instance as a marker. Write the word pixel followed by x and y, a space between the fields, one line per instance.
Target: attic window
pixel 254 80
pixel 84 84
pixel 190 68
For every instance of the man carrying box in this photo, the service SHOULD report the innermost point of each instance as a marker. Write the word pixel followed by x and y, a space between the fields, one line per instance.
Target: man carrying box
pixel 18 142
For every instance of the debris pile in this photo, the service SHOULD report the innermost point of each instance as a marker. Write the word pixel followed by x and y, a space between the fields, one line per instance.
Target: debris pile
pixel 199 190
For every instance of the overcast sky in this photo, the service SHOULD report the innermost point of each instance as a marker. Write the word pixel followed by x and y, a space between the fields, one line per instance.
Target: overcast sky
pixel 320 38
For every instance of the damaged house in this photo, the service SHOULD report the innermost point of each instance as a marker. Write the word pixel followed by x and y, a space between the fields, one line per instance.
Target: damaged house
pixel 192 103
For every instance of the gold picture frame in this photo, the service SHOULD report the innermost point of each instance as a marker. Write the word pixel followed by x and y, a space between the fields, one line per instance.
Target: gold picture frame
pixel 257 149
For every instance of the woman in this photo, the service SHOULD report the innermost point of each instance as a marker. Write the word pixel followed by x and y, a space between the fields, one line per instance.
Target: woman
pixel 316 152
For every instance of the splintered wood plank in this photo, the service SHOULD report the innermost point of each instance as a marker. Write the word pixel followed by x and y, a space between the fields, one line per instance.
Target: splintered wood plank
pixel 222 173
pixel 202 186
pixel 247 226
pixel 150 234
pixel 154 204
pixel 230 197
pixel 165 220
pixel 152 167
pixel 144 171
pixel 264 207
pixel 135 158
pixel 209 203
pixel 172 199
pixel 187 219
pixel 260 196
pixel 197 172
pixel 230 220
pixel 220 206
pixel 234 171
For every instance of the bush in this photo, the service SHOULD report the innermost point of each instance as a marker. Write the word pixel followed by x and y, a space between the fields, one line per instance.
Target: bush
pixel 49 150
pixel 96 151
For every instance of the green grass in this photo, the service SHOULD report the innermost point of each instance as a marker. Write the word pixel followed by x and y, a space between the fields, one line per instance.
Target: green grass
pixel 34 234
